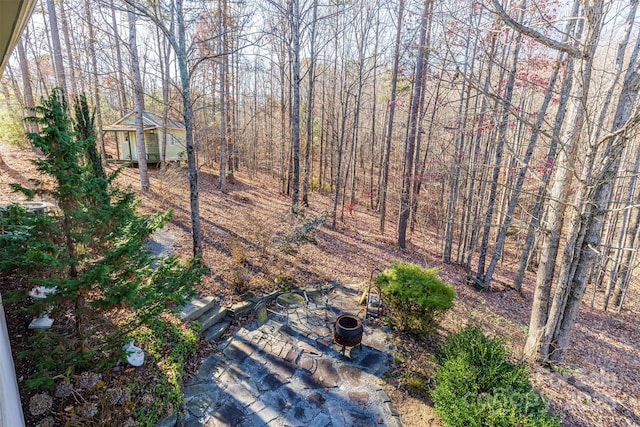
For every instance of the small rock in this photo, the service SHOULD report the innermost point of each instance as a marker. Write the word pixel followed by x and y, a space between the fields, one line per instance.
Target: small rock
pixel 63 389
pixel 88 380
pixel 46 422
pixel 89 409
pixel 316 398
pixel 119 395
pixel 40 403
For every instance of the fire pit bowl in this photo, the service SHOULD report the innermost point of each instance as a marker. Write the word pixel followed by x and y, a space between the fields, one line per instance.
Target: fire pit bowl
pixel 347 330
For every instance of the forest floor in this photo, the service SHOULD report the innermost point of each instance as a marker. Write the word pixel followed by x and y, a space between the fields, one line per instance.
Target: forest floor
pixel 598 385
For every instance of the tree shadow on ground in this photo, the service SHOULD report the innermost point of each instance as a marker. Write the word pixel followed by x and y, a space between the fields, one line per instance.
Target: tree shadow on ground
pixel 290 373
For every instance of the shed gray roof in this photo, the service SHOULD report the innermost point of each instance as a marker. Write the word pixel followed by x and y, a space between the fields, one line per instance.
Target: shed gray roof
pixel 149 121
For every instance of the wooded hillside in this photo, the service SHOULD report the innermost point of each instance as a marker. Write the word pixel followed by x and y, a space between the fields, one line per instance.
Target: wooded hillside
pixel 502 135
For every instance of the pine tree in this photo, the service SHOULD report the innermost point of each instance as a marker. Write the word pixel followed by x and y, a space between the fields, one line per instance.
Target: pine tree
pixel 99 264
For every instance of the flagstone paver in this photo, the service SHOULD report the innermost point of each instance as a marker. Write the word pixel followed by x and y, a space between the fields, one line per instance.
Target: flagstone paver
pixel 288 371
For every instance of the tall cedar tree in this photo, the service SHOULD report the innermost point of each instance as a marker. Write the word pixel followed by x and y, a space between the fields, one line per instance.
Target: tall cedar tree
pixel 99 262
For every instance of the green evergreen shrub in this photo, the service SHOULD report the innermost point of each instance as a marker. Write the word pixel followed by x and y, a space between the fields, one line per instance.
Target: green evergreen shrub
pixel 418 297
pixel 476 385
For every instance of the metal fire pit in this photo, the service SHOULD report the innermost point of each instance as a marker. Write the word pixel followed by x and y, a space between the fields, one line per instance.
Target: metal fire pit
pixel 347 331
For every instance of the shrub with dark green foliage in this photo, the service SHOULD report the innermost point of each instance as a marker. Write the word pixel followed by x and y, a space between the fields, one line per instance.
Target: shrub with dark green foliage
pixel 476 385
pixel 22 243
pixel 91 251
pixel 418 297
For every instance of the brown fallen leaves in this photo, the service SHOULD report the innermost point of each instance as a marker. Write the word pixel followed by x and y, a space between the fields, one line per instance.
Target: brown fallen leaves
pixel 598 385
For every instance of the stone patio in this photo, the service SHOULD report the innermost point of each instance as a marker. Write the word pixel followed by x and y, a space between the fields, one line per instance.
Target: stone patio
pixel 285 370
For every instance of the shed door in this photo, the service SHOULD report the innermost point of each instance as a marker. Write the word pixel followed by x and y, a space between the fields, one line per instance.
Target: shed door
pixel 128 145
pixel 153 149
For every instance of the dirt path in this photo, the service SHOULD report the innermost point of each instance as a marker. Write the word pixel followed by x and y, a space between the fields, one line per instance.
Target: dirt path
pixel 13 169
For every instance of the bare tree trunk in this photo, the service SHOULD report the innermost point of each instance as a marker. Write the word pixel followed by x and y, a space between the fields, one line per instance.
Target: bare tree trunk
pixel 67 42
pixel 311 77
pixel 589 223
pixel 228 96
pixel 605 255
pixel 361 41
pixel 374 109
pixel 338 173
pixel 423 165
pixel 323 154
pixel 470 206
pixel 626 237
pixel 566 302
pixel 419 166
pixel 181 54
pixel 223 101
pixel 26 84
pixel 502 135
pixel 138 101
pixel 506 111
pixel 519 183
pixel 163 53
pixel 547 167
pixel 454 171
pixel 622 47
pixel 538 345
pixel 295 125
pixel 96 82
pixel 625 269
pixel 124 105
pixel 57 48
pixel 392 108
pixel 283 131
pixel 413 130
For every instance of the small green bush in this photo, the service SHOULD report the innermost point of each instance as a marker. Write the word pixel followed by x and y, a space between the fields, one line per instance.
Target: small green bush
pixel 417 295
pixel 476 385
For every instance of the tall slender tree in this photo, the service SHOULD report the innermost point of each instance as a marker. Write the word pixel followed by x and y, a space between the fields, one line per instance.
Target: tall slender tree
pixel 410 145
pixel 26 82
pixel 122 92
pixel 502 137
pixel 223 99
pixel 295 103
pixel 392 108
pixel 310 93
pixel 95 81
pixel 177 37
pixel 56 45
pixel 538 346
pixel 138 104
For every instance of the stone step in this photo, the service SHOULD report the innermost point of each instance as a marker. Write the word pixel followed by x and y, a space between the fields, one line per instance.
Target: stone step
pixel 216 331
pixel 241 309
pixel 196 307
pixel 169 421
pixel 212 316
pixel 41 323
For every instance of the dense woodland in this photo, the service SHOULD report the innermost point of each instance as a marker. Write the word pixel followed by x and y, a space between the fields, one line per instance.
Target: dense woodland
pixel 489 125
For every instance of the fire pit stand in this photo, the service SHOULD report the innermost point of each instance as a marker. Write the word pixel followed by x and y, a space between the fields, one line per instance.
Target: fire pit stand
pixel 347 331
